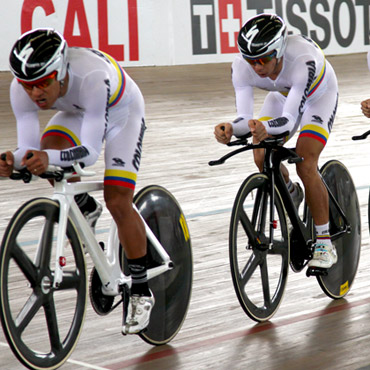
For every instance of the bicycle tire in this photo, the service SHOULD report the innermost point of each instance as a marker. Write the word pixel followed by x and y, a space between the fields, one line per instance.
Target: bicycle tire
pixel 172 290
pixel 342 274
pixel 259 274
pixel 42 324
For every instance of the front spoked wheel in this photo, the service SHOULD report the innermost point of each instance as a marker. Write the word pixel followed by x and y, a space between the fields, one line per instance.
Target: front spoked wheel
pixel 42 323
pixel 172 290
pixel 259 270
pixel 341 275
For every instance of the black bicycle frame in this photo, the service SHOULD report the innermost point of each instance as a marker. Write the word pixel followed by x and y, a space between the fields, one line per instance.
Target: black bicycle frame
pixel 274 155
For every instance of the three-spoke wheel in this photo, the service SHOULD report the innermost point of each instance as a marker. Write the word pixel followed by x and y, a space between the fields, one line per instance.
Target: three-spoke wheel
pixel 42 322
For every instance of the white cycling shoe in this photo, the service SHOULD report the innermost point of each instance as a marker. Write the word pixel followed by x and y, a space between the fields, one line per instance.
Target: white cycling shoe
pixel 324 256
pixel 138 315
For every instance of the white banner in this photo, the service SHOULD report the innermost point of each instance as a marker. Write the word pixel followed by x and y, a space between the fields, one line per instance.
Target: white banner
pixel 168 32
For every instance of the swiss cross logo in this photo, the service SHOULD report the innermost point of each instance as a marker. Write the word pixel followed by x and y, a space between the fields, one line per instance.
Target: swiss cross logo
pixel 204 32
pixel 230 23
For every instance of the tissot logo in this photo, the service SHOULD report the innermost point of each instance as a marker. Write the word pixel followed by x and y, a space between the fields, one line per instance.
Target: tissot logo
pixel 217 22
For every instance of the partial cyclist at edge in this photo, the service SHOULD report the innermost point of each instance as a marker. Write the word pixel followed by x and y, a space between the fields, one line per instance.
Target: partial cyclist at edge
pixel 365 104
pixel 302 95
pixel 96 101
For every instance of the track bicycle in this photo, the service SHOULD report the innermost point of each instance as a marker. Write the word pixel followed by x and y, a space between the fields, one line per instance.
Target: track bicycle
pixel 43 276
pixel 363 137
pixel 262 244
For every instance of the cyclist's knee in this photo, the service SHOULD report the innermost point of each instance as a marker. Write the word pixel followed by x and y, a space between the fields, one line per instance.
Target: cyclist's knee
pixel 307 169
pixel 118 201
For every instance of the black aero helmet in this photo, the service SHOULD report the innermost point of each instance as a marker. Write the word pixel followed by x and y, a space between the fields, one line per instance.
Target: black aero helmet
pixel 261 35
pixel 38 53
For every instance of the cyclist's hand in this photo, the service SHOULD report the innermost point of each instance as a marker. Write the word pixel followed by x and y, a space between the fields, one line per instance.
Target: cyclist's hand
pixel 6 164
pixel 223 132
pixel 258 130
pixel 365 107
pixel 36 161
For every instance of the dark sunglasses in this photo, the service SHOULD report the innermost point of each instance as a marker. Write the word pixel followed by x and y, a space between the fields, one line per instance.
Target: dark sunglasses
pixel 262 60
pixel 42 83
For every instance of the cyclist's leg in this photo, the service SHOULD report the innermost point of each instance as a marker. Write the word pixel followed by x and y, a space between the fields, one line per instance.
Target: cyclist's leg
pixel 317 121
pixel 122 161
pixel 62 132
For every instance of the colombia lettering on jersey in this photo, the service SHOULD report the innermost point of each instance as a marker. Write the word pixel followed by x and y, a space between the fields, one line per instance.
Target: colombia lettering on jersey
pixel 311 75
pixel 137 155
pixel 74 154
pixel 278 122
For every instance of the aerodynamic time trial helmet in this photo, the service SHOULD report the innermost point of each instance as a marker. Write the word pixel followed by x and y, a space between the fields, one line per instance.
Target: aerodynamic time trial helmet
pixel 38 53
pixel 262 35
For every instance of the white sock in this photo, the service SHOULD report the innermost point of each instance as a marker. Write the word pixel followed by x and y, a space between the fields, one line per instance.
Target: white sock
pixel 322 233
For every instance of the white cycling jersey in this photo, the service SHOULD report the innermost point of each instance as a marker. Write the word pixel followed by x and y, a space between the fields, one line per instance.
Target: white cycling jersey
pixel 102 103
pixel 305 92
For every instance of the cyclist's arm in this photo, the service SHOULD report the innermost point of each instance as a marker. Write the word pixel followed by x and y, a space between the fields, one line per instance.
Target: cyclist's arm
pixel 94 97
pixel 244 98
pixel 28 125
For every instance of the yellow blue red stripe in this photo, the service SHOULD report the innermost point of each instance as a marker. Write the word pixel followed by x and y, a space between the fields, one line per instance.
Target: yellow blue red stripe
pixel 120 178
pixel 315 132
pixel 117 95
pixel 320 237
pixel 314 85
pixel 61 131
pixel 318 80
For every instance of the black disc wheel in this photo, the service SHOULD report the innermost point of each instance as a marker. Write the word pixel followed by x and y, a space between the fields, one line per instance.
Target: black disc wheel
pixel 259 270
pixel 341 275
pixel 172 290
pixel 41 322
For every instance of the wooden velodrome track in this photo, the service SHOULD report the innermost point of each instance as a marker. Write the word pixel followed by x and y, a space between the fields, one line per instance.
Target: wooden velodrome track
pixel 310 331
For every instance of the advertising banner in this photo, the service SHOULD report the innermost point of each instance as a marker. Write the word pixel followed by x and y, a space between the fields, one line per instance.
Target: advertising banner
pixel 170 32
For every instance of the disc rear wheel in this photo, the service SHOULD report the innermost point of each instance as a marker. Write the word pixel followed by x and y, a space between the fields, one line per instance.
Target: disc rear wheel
pixel 341 275
pixel 172 290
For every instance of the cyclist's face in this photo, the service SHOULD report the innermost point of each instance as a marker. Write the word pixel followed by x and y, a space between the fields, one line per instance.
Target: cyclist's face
pixel 269 69
pixel 44 93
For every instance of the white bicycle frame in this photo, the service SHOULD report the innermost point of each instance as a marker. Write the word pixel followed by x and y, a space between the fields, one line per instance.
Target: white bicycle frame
pixel 106 262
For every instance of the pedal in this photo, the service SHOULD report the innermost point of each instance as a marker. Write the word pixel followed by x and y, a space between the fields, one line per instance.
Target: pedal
pixel 123 331
pixel 316 271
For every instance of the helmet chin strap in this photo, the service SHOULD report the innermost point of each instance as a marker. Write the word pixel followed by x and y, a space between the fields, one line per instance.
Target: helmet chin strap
pixel 62 84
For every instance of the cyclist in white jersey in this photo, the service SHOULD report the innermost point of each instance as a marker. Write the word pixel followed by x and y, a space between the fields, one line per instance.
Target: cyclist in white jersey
pixel 96 101
pixel 302 94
